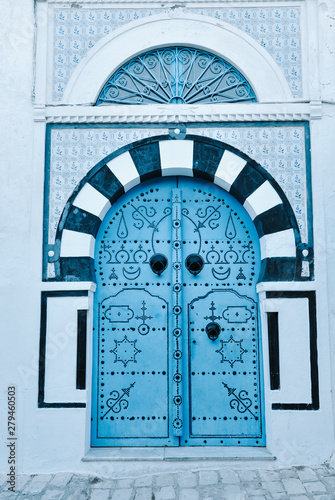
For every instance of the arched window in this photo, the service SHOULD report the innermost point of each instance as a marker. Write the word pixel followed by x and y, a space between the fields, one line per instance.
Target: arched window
pixel 177 75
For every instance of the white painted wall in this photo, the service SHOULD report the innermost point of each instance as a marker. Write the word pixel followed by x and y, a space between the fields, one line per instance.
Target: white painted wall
pixel 57 439
pixel 20 273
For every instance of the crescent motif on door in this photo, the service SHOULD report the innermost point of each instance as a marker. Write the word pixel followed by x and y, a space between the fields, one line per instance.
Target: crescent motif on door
pixel 131 275
pixel 221 276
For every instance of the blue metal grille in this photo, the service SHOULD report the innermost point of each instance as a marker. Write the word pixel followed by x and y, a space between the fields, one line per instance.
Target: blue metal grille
pixel 176 75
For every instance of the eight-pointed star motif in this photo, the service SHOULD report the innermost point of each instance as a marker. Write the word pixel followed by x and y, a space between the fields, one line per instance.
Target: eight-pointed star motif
pixel 125 350
pixel 231 351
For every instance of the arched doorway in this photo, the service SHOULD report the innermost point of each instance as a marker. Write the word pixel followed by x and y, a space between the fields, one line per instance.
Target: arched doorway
pixel 176 332
pixel 214 165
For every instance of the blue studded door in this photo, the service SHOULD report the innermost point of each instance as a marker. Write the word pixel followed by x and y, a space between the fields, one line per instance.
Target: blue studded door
pixel 176 354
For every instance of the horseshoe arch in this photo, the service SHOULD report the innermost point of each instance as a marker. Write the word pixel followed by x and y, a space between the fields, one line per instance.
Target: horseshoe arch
pixel 192 156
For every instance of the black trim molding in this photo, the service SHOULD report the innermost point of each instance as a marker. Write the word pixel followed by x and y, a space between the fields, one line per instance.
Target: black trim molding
pixel 42 354
pixel 313 349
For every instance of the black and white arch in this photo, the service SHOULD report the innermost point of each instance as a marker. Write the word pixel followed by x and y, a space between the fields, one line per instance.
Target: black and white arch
pixel 191 156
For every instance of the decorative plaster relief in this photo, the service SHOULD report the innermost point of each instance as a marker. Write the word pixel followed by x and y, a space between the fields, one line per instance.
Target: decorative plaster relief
pixel 74 151
pixel 76 31
pixel 281 151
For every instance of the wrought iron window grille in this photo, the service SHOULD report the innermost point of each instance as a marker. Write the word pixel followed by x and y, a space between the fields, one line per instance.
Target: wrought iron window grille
pixel 176 75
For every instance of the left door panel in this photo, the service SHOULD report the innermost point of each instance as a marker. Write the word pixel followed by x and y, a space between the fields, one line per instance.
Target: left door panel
pixel 132 369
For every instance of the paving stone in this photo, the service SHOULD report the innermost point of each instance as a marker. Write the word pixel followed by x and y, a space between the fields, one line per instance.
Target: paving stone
pixel 54 494
pixel 278 496
pixel 37 484
pixel 307 474
pixel 61 479
pixel 257 485
pixel 247 475
pixel 165 493
pixel 3 479
pixel 269 475
pixel 164 480
pixel 300 497
pixel 21 480
pixel 96 482
pixel 293 486
pixel 124 483
pixel 188 494
pixel 42 477
pixel 107 484
pixel 143 494
pixel 207 477
pixel 315 487
pixel 288 473
pixel 76 492
pixel 330 470
pixel 273 486
pixel 215 491
pixel 143 481
pixel 76 495
pixel 122 494
pixel 233 492
pixel 78 480
pixel 99 494
pixel 186 479
pixel 5 487
pixel 229 476
pixel 324 471
pixel 9 494
pixel 254 489
pixel 330 480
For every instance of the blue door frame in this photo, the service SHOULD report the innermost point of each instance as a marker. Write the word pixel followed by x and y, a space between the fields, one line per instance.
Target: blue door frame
pixel 176 353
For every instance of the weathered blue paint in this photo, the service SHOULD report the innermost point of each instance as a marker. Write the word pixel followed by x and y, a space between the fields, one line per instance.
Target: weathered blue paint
pixel 176 348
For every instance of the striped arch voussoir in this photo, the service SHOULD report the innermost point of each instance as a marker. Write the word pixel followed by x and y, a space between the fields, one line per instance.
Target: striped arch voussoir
pixel 192 156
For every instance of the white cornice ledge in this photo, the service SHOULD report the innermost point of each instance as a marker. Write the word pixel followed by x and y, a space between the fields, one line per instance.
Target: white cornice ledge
pixel 180 113
pixel 39 113
pixel 316 110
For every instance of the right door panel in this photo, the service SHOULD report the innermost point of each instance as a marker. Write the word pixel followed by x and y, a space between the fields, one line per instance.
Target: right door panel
pixel 224 365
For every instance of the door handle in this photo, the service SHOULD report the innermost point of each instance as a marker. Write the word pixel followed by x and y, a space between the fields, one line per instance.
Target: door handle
pixel 158 263
pixel 194 263
pixel 213 330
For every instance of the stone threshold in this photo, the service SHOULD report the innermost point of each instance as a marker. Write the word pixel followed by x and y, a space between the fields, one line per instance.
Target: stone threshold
pixel 232 454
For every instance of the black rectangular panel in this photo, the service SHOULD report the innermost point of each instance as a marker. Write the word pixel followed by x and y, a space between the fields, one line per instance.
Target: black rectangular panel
pixel 313 347
pixel 81 349
pixel 42 354
pixel 273 350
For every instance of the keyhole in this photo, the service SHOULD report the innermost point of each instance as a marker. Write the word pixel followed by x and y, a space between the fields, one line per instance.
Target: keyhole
pixel 158 263
pixel 194 263
pixel 213 330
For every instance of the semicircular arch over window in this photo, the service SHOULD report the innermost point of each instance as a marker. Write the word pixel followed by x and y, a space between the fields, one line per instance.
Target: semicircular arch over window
pixel 176 75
